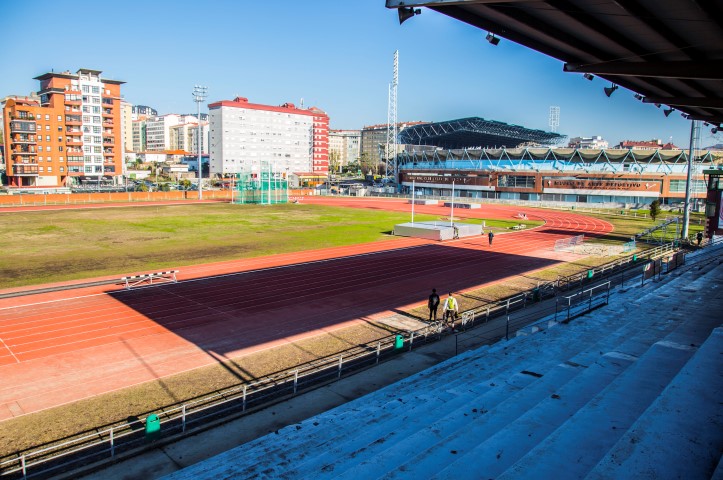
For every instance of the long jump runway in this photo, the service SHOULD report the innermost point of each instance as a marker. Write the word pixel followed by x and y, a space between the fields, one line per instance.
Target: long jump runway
pixel 62 347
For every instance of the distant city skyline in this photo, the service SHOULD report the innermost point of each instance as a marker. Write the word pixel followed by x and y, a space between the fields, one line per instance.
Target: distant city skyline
pixel 335 55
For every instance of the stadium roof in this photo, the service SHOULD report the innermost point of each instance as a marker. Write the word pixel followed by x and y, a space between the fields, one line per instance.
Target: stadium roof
pixel 669 51
pixel 475 132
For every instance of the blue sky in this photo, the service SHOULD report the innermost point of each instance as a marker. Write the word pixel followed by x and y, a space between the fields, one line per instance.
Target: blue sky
pixel 336 55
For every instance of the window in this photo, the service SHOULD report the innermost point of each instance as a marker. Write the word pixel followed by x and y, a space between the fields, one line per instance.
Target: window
pixel 60 139
pixel 47 117
pixel 60 149
pixel 40 159
pixel 61 160
pixel 47 138
pixel 60 129
pixel 96 119
pixel 86 89
pixel 95 89
pixel 516 181
pixel 60 118
pixel 47 149
pixel 50 169
pixel 96 129
pixel 86 118
pixel 87 139
pixel 47 127
pixel 41 169
pixel 62 169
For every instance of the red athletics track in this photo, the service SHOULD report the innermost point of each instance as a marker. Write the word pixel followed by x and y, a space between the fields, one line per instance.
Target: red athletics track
pixel 61 347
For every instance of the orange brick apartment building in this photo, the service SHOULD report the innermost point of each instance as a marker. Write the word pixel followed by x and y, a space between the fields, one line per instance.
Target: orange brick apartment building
pixel 68 134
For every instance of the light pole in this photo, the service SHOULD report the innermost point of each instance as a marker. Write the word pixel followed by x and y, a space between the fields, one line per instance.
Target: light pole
pixel 199 95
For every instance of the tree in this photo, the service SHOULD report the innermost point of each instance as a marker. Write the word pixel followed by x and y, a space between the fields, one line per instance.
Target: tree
pixel 366 163
pixel 654 209
pixel 334 162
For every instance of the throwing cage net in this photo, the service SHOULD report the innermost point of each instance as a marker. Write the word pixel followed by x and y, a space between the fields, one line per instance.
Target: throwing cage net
pixel 266 186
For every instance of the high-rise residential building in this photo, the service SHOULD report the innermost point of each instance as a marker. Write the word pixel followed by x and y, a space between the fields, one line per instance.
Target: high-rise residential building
pixel 246 135
pixel 126 126
pixel 69 133
pixel 374 140
pixel 139 135
pixel 344 146
pixel 184 137
pixel 141 112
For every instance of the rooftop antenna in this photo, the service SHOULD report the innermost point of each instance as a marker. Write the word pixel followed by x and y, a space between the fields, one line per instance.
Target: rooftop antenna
pixel 391 149
pixel 554 121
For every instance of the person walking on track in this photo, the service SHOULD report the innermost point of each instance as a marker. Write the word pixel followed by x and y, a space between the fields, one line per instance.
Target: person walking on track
pixel 451 309
pixel 490 236
pixel 433 303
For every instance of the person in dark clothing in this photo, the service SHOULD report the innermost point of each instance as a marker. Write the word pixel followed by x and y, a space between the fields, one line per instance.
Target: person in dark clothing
pixel 490 236
pixel 699 237
pixel 433 303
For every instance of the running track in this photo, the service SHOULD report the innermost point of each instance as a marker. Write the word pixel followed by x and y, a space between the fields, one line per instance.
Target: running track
pixel 61 347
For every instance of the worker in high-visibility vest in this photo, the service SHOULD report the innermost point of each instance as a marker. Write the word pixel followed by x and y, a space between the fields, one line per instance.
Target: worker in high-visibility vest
pixel 451 309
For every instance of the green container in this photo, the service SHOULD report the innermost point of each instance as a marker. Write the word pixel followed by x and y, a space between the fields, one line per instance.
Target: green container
pixel 635 258
pixel 153 427
pixel 399 342
pixel 589 273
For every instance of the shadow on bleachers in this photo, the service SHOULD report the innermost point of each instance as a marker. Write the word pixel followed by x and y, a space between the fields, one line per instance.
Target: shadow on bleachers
pixel 629 390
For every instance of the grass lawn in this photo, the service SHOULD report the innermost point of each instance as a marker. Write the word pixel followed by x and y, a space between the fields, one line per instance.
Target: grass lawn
pixel 52 246
pixel 42 247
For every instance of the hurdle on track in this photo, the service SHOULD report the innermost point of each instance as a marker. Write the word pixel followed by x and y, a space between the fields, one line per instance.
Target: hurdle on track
pixel 133 280
pixel 565 244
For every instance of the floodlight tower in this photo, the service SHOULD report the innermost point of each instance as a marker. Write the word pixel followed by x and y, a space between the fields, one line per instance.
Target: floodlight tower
pixel 554 118
pixel 199 95
pixel 392 131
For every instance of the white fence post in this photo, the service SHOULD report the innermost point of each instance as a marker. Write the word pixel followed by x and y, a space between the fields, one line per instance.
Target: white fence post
pixel 112 444
pixel 341 357
pixel 183 418
pixel 296 380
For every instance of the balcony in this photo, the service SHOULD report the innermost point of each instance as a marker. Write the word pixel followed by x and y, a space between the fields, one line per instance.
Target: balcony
pixel 107 114
pixel 69 101
pixel 29 169
pixel 72 120
pixel 108 133
pixel 107 122
pixel 107 152
pixel 77 163
pixel 73 142
pixel 22 126
pixel 73 131
pixel 74 151
pixel 22 139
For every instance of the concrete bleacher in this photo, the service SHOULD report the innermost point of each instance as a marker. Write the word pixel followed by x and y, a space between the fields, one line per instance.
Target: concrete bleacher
pixel 628 391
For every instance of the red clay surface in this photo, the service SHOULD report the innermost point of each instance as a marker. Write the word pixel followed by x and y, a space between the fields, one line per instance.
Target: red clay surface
pixel 60 347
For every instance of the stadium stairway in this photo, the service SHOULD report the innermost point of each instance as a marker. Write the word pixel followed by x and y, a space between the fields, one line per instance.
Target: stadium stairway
pixel 630 390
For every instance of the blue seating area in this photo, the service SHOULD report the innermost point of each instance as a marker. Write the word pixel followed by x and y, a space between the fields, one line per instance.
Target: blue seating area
pixel 631 390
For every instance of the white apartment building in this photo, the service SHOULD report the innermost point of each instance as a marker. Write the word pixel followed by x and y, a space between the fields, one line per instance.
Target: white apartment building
pixel 126 127
pixel 245 135
pixel 595 142
pixel 185 137
pixel 158 131
pixel 345 145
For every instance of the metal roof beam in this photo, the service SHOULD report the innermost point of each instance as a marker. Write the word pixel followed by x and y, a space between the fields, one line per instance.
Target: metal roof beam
pixel 705 70
pixel 687 101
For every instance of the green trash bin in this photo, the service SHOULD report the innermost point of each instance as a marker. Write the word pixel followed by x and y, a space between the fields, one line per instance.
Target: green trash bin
pixel 635 258
pixel 399 342
pixel 590 273
pixel 153 427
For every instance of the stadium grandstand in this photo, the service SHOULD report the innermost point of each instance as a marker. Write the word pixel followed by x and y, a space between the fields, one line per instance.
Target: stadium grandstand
pixel 475 132
pixel 610 176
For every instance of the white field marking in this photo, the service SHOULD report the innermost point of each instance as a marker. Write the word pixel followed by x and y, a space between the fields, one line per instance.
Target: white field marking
pixel 11 352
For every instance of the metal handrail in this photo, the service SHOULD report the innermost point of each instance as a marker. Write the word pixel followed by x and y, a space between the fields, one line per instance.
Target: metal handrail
pixel 287 382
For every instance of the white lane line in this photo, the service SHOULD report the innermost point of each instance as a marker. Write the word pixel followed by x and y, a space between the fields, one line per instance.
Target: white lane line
pixel 11 352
